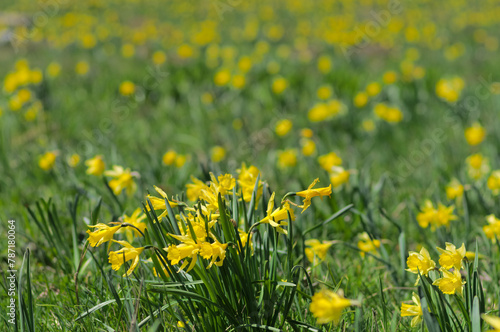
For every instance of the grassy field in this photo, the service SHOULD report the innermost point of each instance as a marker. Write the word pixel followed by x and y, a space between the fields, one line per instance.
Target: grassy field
pixel 229 165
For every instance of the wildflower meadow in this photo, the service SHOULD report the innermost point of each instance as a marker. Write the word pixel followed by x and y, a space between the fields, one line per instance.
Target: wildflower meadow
pixel 230 165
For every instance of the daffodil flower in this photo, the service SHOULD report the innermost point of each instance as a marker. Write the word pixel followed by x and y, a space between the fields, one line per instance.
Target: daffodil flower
pixel 276 218
pixel 327 306
pixel 310 193
pixel 159 203
pixel 102 234
pixel 451 282
pixel 451 257
pixel 127 253
pixel 408 310
pixel 420 262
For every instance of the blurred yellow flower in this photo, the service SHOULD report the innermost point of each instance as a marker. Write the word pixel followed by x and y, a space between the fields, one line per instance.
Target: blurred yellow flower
pixel 316 251
pixel 245 64
pixel 368 125
pixel 408 310
pixel 95 166
pixel 373 89
pixel 324 92
pixel 308 147
pixel 279 85
pixel 82 68
pixel 475 134
pixel 338 176
pixel 159 57
pixel 222 77
pixel 477 166
pixel 48 160
pixel 287 158
pixel 217 153
pixel 127 88
pixel 327 161
pixel 74 160
pixel 327 306
pixel 127 253
pixel 180 160
pixel 390 77
pixel 366 244
pixel 185 51
pixel 454 190
pixel 324 64
pixel 494 182
pixel 307 133
pixel 492 230
pixel 128 50
pixel 123 180
pixel 169 157
pixel 450 89
pixel 360 99
pixel 493 321
pixel 53 69
pixel 238 81
pixel 283 127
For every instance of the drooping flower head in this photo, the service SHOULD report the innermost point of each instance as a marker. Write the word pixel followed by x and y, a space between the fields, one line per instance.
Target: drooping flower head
pixel 310 193
pixel 127 253
pixel 327 306
pixel 408 310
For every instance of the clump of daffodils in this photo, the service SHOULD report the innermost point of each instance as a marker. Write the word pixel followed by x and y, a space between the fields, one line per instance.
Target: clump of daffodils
pixel 451 261
pixel 195 235
pixel 435 217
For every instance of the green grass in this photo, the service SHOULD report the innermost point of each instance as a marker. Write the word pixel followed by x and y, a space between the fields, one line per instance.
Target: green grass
pixel 65 284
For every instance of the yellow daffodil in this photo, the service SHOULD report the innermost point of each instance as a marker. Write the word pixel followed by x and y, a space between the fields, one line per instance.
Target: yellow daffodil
pixel 366 244
pixel 287 158
pixel 338 176
pixel 316 251
pixel 96 166
pixel 127 253
pixel 309 193
pixel 475 134
pixel 408 310
pixel 451 256
pixel 127 88
pixel 283 127
pixel 159 203
pixel 329 160
pixel 247 177
pixel 492 230
pixel 276 218
pixel 102 234
pixel 477 166
pixel 123 180
pixel 169 157
pixel 454 190
pixel 48 160
pixel 74 160
pixel 193 191
pixel 136 220
pixel 494 182
pixel 215 251
pixel 217 153
pixel 493 321
pixel 420 262
pixel 187 249
pixel 327 306
pixel 451 282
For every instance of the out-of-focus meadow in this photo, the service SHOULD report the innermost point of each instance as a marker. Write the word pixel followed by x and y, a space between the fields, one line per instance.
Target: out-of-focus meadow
pixel 227 106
